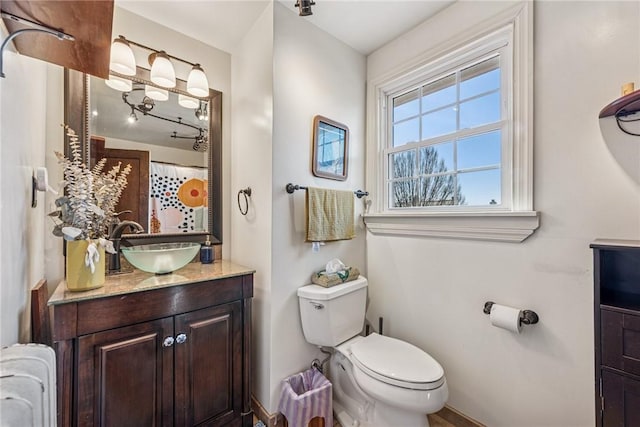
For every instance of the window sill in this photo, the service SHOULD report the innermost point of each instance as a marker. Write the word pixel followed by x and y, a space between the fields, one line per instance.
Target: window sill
pixel 490 226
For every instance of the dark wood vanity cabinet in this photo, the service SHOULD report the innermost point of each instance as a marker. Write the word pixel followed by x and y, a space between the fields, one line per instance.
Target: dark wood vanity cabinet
pixel 125 376
pixel 175 356
pixel 617 332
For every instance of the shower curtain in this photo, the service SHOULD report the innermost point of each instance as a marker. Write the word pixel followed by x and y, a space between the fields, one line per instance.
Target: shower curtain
pixel 178 199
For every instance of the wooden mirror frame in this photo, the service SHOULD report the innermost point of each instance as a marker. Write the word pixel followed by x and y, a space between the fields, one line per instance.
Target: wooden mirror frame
pixel 76 115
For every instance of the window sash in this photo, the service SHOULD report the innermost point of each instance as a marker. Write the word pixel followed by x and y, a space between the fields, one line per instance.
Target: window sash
pixel 491 59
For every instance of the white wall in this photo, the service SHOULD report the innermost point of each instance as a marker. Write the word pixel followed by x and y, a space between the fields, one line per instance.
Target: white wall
pixel 313 74
pixel 24 129
pixel 431 291
pixel 251 166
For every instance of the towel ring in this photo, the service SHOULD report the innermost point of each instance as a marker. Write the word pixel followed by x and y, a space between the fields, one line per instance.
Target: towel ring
pixel 247 193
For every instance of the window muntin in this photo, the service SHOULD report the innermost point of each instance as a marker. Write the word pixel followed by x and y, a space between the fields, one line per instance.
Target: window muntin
pixel 448 149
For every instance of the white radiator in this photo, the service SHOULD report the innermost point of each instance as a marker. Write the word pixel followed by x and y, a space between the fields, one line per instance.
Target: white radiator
pixel 27 386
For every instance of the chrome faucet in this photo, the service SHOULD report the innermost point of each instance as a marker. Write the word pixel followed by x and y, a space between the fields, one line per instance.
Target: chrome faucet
pixel 115 236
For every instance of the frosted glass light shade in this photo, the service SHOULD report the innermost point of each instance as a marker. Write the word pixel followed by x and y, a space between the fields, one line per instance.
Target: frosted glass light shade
pixel 118 83
pixel 122 60
pixel 156 93
pixel 162 72
pixel 187 101
pixel 197 83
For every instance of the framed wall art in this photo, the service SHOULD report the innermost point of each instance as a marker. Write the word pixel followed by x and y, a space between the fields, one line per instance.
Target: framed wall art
pixel 330 149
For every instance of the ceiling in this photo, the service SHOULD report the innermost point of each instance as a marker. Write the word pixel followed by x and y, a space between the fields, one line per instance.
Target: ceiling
pixel 365 25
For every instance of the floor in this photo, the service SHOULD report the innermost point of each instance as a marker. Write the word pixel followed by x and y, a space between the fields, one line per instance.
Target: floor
pixel 436 421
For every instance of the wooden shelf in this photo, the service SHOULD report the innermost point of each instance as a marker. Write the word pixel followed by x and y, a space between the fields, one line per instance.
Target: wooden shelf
pixel 88 21
pixel 629 103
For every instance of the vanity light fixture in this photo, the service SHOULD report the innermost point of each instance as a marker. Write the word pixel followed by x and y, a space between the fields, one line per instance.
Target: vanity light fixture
pixel 162 72
pixel 187 101
pixel 305 7
pixel 156 93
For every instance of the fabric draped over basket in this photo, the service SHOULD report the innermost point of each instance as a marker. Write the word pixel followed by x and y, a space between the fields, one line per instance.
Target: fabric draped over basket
pixel 305 396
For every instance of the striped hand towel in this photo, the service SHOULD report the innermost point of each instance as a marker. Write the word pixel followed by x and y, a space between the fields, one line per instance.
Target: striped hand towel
pixel 329 215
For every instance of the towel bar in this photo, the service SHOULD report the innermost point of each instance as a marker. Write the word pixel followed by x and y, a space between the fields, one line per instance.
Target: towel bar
pixel 291 188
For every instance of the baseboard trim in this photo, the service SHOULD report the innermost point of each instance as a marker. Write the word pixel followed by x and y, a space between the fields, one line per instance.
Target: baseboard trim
pixel 270 420
pixel 449 414
pixel 457 418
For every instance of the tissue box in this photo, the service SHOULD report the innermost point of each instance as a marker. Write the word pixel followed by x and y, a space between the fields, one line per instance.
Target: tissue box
pixel 327 280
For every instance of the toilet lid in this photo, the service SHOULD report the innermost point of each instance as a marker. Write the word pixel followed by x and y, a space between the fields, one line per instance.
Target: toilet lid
pixel 397 362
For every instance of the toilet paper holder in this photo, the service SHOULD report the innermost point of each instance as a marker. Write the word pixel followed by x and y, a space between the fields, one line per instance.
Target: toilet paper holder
pixel 527 317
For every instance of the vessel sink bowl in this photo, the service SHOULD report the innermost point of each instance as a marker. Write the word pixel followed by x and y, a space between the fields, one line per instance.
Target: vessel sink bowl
pixel 161 258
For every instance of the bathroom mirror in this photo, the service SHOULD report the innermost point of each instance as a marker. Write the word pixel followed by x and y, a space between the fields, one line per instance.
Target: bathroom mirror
pixel 175 190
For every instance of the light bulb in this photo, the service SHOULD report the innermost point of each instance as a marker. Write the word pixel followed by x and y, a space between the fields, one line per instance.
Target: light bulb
pixel 197 83
pixel 162 72
pixel 132 118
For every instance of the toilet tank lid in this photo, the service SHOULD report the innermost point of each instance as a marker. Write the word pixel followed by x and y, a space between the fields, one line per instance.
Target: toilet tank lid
pixel 316 292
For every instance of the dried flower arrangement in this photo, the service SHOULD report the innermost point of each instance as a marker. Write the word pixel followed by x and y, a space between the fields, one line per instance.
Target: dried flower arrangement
pixel 88 209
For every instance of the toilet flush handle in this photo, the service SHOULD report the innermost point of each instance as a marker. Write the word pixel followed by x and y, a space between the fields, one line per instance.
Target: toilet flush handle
pixel 316 305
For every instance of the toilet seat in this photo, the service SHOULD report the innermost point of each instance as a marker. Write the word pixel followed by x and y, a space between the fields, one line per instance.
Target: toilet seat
pixel 396 362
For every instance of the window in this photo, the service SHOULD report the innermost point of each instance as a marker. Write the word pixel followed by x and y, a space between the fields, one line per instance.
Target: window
pixel 445 142
pixel 453 143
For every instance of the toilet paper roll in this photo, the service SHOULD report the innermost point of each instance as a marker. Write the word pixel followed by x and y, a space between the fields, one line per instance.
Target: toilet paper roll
pixel 506 318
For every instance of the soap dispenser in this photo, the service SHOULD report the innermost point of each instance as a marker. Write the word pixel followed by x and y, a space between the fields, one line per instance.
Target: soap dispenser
pixel 206 252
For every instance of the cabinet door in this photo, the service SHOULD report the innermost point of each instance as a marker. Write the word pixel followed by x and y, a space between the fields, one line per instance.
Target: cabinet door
pixel 621 400
pixel 125 376
pixel 208 374
pixel 621 341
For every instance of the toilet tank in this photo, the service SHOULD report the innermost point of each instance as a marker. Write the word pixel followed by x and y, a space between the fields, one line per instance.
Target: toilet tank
pixel 332 315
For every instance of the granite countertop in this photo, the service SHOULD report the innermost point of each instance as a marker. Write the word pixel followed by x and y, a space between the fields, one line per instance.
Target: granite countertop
pixel 137 281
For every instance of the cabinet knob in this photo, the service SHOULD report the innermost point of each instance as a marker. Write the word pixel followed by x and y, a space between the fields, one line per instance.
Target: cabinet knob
pixel 168 342
pixel 181 338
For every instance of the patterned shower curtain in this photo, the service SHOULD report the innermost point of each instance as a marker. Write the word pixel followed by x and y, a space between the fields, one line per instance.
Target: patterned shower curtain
pixel 178 199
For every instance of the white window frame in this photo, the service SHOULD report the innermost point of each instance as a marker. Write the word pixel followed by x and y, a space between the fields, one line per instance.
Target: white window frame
pixel 514 220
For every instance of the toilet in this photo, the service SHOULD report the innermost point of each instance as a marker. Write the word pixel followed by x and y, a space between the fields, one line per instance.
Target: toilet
pixel 378 381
